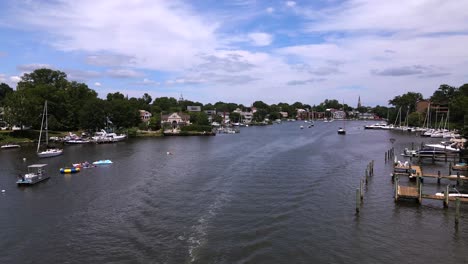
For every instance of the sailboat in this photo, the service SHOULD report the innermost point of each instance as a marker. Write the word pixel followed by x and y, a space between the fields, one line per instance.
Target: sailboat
pixel 49 152
pixel 341 130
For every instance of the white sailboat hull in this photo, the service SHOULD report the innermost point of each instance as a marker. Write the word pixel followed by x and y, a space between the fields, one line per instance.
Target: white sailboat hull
pixel 50 153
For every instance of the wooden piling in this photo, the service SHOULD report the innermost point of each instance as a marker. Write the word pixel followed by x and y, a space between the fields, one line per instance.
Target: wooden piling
pixel 450 168
pixel 420 192
pixel 438 177
pixel 446 197
pixel 361 189
pixel 358 200
pixel 395 185
pixel 457 210
pixel 458 178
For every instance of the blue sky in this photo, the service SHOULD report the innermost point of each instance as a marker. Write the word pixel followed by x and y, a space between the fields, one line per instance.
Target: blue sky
pixel 241 51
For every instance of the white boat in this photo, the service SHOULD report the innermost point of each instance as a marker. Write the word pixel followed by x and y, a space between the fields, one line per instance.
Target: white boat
pixel 301 127
pixel 77 141
pixel 444 147
pixel 104 137
pixel 341 131
pixel 36 173
pixel 49 152
pixel 9 146
pixel 102 162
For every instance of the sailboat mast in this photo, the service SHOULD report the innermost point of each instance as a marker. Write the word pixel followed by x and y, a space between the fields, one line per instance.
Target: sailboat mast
pixel 42 124
pixel 46 126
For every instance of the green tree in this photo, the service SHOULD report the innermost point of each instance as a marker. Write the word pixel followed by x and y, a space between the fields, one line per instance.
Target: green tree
pixel 234 117
pixel 199 118
pixel 444 95
pixel 166 103
pixel 92 116
pixel 4 90
pixel 260 115
pixel 155 122
pixel 261 105
pixel 406 100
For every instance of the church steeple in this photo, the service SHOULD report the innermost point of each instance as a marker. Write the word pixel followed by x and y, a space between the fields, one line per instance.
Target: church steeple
pixel 359 102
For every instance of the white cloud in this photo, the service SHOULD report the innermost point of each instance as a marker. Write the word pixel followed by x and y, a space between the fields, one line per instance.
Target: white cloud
pixel 159 35
pixel 409 17
pixel 98 84
pixel 33 66
pixel 260 39
pixel 15 79
pixel 290 3
pixel 123 73
pixel 270 10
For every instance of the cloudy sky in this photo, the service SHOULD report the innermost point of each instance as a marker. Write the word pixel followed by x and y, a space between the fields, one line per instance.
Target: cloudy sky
pixel 241 50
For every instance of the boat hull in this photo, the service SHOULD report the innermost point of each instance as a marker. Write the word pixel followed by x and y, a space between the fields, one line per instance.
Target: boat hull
pixel 49 153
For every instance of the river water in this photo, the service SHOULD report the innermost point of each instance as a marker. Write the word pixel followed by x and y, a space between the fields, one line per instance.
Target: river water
pixel 273 194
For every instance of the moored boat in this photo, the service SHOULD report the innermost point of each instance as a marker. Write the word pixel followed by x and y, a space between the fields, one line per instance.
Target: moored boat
pixel 9 146
pixel 102 162
pixel 36 173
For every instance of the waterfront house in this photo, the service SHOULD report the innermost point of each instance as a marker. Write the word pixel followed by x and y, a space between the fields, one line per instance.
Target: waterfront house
pixel 339 114
pixel 194 108
pixel 145 116
pixel 284 114
pixel 175 120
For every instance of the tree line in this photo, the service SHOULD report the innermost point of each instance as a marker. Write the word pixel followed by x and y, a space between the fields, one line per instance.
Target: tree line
pixel 73 105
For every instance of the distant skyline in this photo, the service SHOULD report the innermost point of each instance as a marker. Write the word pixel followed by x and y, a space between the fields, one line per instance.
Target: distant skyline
pixel 241 50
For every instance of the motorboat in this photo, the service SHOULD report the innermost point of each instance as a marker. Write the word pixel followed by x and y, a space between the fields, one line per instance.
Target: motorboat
pixel 104 137
pixel 409 152
pixel 448 147
pixel 102 162
pixel 9 146
pixel 341 131
pixel 36 173
pixel 77 141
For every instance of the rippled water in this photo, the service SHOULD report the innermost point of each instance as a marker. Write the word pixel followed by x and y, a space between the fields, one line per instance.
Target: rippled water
pixel 274 194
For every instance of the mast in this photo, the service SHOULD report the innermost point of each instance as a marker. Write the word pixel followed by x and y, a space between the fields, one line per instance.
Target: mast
pixel 42 124
pixel 46 126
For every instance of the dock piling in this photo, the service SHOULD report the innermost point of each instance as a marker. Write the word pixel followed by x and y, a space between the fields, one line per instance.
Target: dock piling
pixel 438 177
pixel 457 210
pixel 458 178
pixel 395 185
pixel 358 201
pixel 446 197
pixel 450 168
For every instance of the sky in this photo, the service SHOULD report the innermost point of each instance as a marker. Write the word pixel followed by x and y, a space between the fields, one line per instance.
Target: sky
pixel 241 51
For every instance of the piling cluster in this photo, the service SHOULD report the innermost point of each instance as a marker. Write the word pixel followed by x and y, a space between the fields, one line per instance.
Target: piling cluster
pixel 360 191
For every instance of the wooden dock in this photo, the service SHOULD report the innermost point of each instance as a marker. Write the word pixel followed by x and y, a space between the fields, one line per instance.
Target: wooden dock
pixel 415 193
pixel 416 171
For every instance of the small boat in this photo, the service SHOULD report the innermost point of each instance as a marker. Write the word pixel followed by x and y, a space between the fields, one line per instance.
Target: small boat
pixel 409 152
pixel 77 141
pixel 83 165
pixel 36 173
pixel 301 127
pixel 460 166
pixel 102 162
pixel 9 146
pixel 70 170
pixel 341 131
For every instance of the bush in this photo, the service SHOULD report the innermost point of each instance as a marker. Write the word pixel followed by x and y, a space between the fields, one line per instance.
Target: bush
pixel 198 128
pixel 132 132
